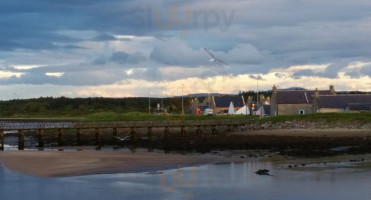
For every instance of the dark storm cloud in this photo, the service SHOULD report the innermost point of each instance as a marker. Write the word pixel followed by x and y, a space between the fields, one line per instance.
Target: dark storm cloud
pixel 251 36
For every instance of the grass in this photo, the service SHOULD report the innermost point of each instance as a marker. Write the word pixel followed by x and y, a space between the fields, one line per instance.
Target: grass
pixel 111 116
pixel 324 117
pixel 346 118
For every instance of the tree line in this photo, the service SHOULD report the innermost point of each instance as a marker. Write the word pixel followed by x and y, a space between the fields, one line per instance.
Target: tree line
pixel 81 106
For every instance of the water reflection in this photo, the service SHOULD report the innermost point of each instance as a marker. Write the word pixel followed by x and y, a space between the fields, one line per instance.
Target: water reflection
pixel 228 181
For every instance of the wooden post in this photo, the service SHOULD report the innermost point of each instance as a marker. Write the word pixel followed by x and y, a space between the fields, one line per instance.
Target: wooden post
pixel 150 134
pixel 182 131
pixel 20 140
pixel 114 135
pixel 98 136
pixel 214 130
pixel 60 137
pixel 231 127
pixel 78 137
pixel 133 134
pixel 166 132
pixel 2 140
pixel 199 130
pixel 40 137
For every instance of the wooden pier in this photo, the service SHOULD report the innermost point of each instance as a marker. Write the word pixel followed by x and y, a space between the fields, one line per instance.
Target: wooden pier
pixel 60 127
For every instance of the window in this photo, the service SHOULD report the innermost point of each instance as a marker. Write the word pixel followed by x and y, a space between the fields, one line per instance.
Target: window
pixel 301 112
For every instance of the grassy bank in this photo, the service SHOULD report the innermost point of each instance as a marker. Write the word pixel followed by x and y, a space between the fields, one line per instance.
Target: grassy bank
pixel 330 118
pixel 322 117
pixel 133 116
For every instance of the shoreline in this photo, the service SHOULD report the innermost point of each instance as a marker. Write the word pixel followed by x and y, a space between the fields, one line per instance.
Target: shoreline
pixel 64 164
pixel 308 143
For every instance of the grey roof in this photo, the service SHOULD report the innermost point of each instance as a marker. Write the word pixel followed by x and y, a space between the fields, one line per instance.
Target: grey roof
pixel 225 101
pixel 359 106
pixel 298 97
pixel 341 101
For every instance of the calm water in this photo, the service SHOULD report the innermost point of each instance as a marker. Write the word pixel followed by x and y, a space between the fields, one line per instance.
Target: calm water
pixel 228 181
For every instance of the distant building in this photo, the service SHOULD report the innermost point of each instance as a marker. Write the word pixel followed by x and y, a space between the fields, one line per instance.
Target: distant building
pixel 294 102
pixel 245 110
pixel 267 110
pixel 341 103
pixel 221 104
pixel 198 107
pixel 358 107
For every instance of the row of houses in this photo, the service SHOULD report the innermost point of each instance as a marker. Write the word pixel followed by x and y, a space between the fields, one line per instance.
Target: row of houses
pixel 285 102
pixel 218 104
pixel 293 102
pixel 229 105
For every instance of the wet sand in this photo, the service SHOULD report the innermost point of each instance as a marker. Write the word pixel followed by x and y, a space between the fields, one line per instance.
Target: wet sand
pixel 60 164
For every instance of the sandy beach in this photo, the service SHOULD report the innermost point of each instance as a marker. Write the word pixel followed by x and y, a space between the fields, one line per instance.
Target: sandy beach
pixel 60 164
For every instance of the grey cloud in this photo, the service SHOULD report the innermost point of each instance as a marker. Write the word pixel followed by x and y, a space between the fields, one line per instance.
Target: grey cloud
pixel 69 78
pixel 366 70
pixel 105 37
pixel 353 74
pixel 306 72
pixel 263 35
pixel 258 77
pixel 136 58
pixel 177 53
pixel 119 57
pixel 333 69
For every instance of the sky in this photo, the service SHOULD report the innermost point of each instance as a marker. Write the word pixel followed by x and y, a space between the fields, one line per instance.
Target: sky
pixel 125 48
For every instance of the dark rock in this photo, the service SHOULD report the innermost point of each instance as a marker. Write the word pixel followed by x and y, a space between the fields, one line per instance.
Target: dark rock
pixel 264 172
pixel 252 155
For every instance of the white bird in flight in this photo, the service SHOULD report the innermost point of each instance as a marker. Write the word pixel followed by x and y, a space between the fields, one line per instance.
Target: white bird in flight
pixel 214 58
pixel 122 139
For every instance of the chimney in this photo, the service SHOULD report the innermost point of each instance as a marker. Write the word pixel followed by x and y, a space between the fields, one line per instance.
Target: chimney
pixel 249 99
pixel 274 90
pixel 316 93
pixel 332 90
pixel 261 97
pixel 268 100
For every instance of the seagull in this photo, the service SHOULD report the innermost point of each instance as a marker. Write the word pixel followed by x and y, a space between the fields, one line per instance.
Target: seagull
pixel 214 58
pixel 122 139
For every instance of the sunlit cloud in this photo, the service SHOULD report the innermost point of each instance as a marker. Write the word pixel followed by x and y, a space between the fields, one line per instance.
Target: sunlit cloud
pixel 25 67
pixel 54 74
